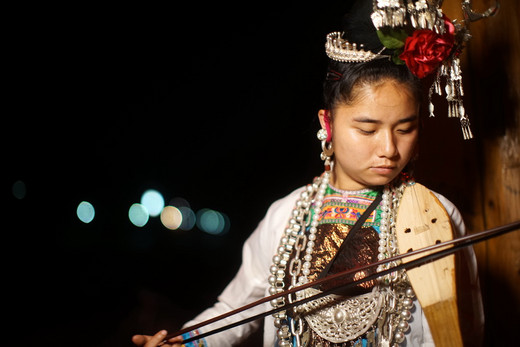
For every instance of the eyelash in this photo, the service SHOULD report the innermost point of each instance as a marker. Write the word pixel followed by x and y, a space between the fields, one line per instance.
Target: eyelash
pixel 365 132
pixel 401 131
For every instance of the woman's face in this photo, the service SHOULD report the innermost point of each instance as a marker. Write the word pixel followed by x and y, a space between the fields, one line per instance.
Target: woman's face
pixel 374 137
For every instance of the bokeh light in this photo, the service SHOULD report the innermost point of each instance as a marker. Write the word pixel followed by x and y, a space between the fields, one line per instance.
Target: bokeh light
pixel 188 218
pixel 19 190
pixel 153 201
pixel 171 217
pixel 179 202
pixel 85 212
pixel 212 222
pixel 138 215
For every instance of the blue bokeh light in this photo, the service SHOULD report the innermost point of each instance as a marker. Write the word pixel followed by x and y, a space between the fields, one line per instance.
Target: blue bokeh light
pixel 188 218
pixel 138 215
pixel 153 201
pixel 19 189
pixel 212 222
pixel 85 212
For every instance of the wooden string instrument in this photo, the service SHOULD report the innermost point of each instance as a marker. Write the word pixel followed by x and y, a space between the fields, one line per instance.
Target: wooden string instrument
pixel 422 221
pixel 421 257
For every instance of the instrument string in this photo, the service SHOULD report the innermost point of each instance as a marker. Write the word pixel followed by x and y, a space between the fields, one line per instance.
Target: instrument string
pixel 457 243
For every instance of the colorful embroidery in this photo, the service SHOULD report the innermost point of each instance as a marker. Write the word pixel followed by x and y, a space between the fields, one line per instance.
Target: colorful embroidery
pixel 196 343
pixel 339 207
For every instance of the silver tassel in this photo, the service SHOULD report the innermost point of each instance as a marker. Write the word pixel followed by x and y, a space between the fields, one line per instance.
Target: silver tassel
pixel 431 109
pixel 388 13
pixel 454 93
pixel 425 15
pixel 464 123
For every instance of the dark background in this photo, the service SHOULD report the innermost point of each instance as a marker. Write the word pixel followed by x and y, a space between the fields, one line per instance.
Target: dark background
pixel 212 102
pixel 215 103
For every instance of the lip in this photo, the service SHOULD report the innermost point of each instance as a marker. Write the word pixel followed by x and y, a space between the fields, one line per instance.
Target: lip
pixel 383 169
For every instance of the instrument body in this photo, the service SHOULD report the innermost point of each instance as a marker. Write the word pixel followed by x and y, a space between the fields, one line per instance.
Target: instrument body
pixel 422 221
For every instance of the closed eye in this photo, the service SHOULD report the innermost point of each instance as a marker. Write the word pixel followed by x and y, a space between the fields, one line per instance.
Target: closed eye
pixel 366 132
pixel 407 130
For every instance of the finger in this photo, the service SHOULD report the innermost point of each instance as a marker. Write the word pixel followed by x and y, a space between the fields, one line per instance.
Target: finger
pixel 156 339
pixel 176 339
pixel 140 340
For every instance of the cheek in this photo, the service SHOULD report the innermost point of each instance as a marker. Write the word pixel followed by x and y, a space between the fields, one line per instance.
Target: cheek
pixel 407 148
pixel 352 147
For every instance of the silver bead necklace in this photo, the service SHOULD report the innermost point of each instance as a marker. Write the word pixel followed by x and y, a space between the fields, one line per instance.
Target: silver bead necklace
pixel 300 236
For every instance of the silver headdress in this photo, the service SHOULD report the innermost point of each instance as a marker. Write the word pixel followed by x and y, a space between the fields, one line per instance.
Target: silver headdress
pixel 340 49
pixel 397 25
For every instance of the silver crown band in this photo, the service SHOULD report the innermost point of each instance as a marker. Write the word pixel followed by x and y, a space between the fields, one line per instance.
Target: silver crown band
pixel 341 50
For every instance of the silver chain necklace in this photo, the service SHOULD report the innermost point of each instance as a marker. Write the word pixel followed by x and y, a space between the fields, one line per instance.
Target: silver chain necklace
pixel 392 293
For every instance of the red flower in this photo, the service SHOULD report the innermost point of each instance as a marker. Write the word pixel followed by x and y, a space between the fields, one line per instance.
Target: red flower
pixel 425 50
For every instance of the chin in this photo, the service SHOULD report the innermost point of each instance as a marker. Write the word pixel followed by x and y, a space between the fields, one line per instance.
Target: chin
pixel 380 181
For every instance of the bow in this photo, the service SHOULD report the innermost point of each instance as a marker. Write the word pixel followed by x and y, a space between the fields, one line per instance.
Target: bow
pixel 435 252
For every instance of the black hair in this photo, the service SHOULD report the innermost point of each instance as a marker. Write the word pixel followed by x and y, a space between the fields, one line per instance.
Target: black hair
pixel 343 78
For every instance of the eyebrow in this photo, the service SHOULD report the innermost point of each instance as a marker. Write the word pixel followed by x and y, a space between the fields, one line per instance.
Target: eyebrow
pixel 375 121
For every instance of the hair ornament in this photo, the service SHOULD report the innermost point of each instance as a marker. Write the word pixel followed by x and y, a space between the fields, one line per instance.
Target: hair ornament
pixel 340 49
pixel 334 75
pixel 388 13
pixel 419 35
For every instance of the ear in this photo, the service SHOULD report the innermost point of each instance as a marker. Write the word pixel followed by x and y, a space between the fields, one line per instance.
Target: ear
pixel 324 117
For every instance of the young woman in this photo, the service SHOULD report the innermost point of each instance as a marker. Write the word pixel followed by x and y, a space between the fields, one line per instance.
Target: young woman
pixel 369 133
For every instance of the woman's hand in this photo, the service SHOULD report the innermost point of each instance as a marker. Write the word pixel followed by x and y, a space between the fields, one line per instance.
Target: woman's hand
pixel 153 341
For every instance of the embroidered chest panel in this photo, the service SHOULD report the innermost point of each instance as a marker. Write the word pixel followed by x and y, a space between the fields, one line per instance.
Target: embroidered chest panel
pixel 339 213
pixel 342 208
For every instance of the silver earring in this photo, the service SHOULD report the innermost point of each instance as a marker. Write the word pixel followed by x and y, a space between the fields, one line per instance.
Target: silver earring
pixel 322 134
pixel 326 148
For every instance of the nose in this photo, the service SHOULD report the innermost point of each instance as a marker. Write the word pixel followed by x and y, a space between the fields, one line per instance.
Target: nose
pixel 387 147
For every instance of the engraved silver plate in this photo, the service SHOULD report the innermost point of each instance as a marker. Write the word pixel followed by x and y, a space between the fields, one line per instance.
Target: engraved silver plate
pixel 337 319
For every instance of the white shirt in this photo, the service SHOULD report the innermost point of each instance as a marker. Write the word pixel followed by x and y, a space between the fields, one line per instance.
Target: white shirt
pixel 250 283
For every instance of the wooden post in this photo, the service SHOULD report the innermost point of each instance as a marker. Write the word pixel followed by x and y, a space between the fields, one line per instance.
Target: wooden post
pixel 493 66
pixel 482 176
